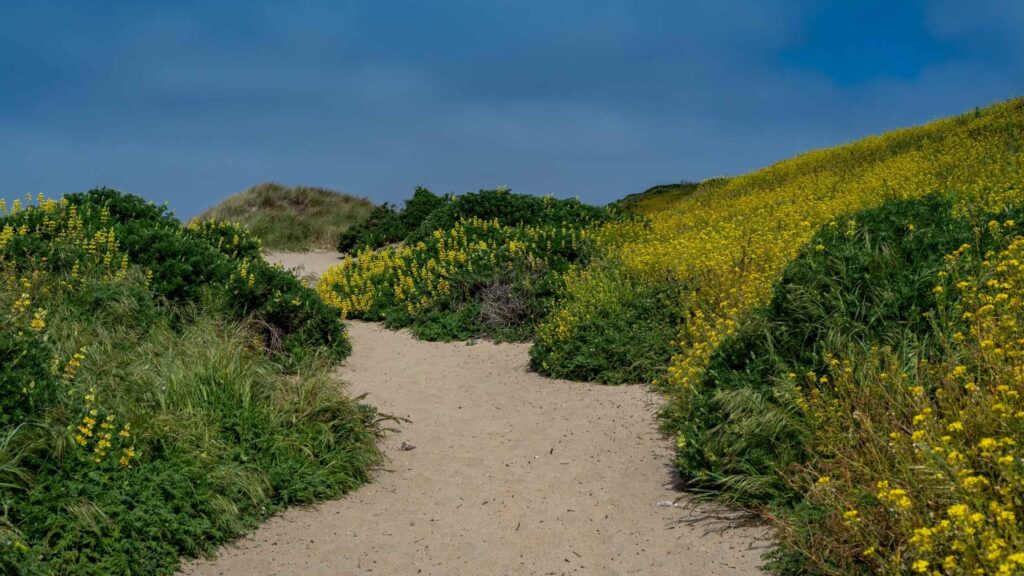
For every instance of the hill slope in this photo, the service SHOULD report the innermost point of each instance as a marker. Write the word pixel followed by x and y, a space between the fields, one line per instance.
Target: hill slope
pixel 296 218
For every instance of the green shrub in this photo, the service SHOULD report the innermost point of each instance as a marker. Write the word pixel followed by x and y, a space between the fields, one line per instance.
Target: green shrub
pixel 478 278
pixel 382 226
pixel 26 383
pixel 196 263
pixel 427 212
pixel 418 208
pixel 385 225
pixel 628 340
pixel 863 280
pixel 144 417
pixel 507 209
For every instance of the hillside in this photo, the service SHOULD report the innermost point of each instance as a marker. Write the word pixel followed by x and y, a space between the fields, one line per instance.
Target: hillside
pixel 824 358
pixel 296 218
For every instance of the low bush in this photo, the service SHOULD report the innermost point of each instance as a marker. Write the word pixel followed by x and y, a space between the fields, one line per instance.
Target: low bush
pixel 917 464
pixel 865 279
pixel 507 209
pixel 183 263
pixel 381 227
pixel 624 338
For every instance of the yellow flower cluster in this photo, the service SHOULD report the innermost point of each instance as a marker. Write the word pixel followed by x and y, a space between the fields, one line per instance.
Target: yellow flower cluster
pixel 228 237
pixel 98 435
pixel 60 223
pixel 74 363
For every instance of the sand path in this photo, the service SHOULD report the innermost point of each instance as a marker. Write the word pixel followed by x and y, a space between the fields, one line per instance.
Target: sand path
pixel 511 473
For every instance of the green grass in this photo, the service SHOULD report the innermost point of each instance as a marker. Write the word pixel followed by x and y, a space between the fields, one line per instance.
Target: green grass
pixel 296 218
pixel 162 392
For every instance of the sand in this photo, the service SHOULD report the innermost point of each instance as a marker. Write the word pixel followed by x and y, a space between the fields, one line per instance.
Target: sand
pixel 511 473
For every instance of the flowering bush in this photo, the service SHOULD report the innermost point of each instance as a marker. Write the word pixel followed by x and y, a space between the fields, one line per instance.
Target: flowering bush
pixel 479 277
pixel 149 404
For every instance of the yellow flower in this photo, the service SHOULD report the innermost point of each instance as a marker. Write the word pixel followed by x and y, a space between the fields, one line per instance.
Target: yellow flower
pixel 973 483
pixel 957 510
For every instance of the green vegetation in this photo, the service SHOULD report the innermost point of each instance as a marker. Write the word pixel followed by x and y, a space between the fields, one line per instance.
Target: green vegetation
pixel 385 225
pixel 636 346
pixel 427 212
pixel 489 267
pixel 863 280
pixel 163 389
pixel 298 218
pixel 839 335
pixel 838 405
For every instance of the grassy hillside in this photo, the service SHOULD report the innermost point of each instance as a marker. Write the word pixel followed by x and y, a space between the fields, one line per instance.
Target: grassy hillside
pixel 838 336
pixel 297 218
pixel 162 388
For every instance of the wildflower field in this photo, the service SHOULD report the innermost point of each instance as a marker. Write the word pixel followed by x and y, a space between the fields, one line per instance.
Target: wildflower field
pixel 162 389
pixel 838 336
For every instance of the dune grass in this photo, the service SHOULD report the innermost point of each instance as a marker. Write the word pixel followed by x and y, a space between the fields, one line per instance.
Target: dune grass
pixel 291 218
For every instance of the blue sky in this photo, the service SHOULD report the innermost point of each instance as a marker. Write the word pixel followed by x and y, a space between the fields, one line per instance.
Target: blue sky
pixel 187 103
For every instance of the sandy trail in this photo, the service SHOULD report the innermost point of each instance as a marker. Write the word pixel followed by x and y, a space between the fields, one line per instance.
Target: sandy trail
pixel 511 473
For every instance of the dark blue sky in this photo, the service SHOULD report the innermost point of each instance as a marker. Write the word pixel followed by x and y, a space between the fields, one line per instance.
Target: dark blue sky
pixel 190 102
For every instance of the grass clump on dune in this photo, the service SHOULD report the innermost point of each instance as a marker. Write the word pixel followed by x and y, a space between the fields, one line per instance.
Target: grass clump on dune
pixel 163 390
pixel 296 218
